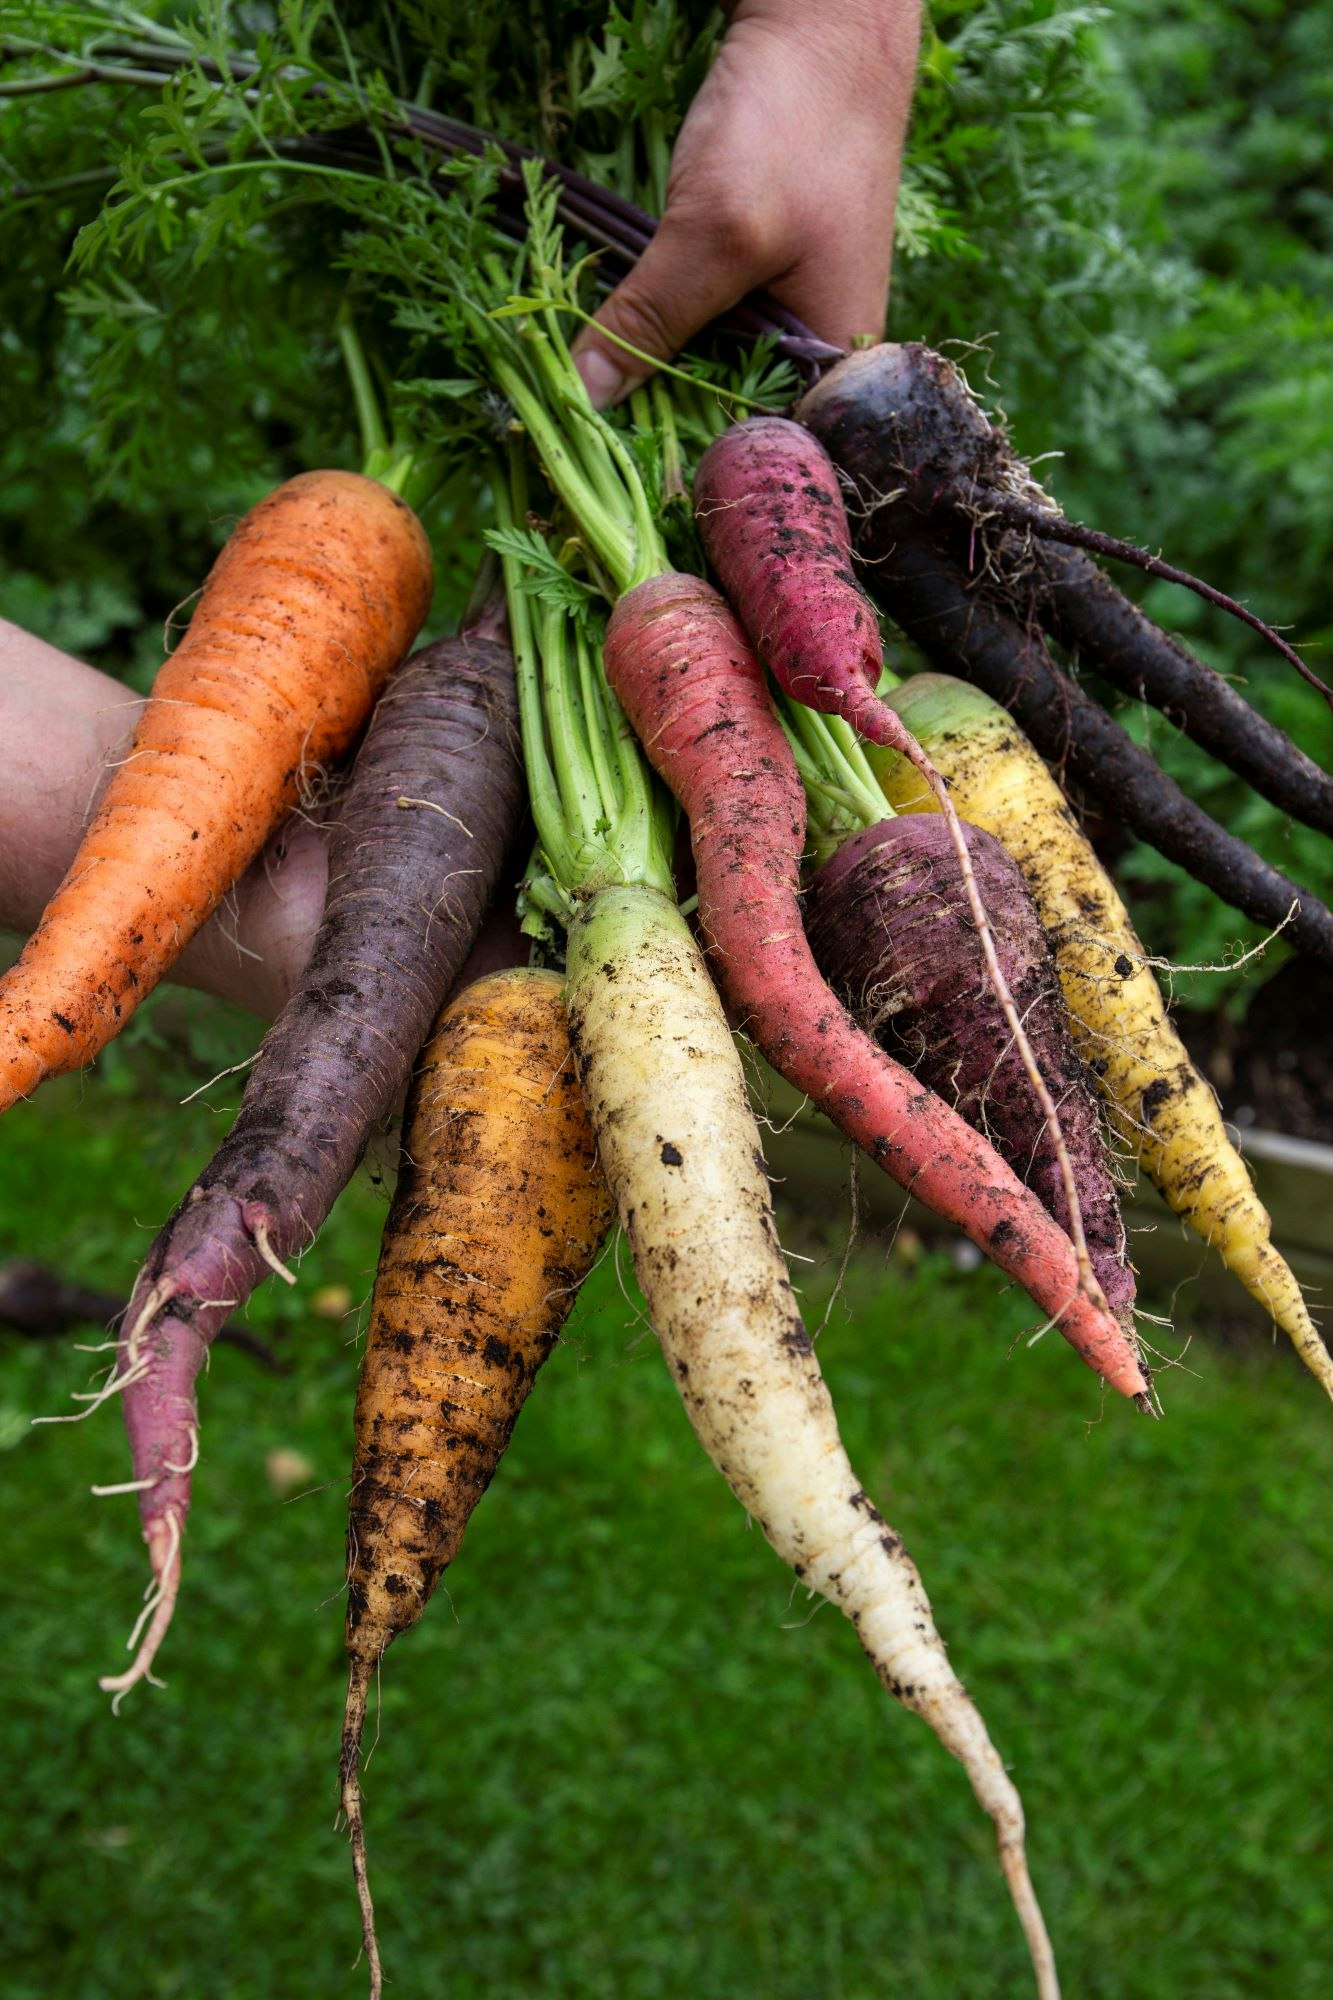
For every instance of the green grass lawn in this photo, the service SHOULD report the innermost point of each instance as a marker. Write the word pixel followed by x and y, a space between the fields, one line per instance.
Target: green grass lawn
pixel 621 1758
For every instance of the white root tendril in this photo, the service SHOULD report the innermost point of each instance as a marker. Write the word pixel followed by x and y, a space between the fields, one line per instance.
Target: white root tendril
pixel 234 1067
pixel 97 1397
pixel 431 806
pixel 127 1486
pixel 270 1255
pixel 192 1460
pixel 159 1295
pixel 164 1539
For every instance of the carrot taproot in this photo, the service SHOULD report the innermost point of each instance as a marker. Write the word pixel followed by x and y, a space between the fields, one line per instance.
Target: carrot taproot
pixel 1160 1107
pixel 771 514
pixel 318 593
pixel 694 690
pixel 425 825
pixel 678 1142
pixel 499 1213
pixel 903 425
pixel 891 932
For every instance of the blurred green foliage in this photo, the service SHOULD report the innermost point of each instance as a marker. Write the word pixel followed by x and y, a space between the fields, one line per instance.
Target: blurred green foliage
pixel 622 1757
pixel 1129 209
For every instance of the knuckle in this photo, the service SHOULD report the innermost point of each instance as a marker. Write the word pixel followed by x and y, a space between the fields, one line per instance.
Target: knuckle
pixel 640 319
pixel 747 235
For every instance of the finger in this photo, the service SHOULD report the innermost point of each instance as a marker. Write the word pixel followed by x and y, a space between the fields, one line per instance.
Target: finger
pixel 840 298
pixel 691 271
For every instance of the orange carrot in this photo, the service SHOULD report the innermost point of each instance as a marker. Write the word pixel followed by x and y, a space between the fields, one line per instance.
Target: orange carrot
pixel 500 1211
pixel 318 593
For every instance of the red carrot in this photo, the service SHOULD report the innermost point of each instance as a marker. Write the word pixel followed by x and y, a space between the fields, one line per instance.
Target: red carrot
pixel 694 691
pixel 771 513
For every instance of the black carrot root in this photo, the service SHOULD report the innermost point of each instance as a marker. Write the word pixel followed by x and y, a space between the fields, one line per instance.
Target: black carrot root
pixel 965 632
pixel 892 933
pixel 1082 609
pixel 1051 526
pixel 40 1303
pixel 429 814
pixel 926 460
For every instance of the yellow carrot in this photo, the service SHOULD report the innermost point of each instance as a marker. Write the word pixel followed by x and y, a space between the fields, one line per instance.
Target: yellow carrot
pixel 1158 1104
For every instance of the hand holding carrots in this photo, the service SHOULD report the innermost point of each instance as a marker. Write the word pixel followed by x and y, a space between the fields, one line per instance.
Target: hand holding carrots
pixel 68 726
pixel 785 175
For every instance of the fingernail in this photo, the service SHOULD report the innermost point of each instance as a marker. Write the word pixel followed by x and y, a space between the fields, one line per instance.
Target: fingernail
pixel 603 380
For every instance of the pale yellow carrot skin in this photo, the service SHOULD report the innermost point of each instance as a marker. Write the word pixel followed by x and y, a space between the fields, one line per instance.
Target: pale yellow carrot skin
pixel 677 1140
pixel 1158 1105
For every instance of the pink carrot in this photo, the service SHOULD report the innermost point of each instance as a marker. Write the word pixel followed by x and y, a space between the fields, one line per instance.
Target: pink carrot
pixel 694 690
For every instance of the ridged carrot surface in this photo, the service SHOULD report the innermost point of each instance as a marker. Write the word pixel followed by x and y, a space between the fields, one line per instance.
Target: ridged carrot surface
pixel 891 932
pixel 318 593
pixel 499 1213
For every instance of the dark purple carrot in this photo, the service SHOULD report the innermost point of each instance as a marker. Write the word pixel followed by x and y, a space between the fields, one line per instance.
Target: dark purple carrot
pixel 426 823
pixel 961 631
pixel 891 932
pixel 771 514
pixel 900 422
pixel 1084 612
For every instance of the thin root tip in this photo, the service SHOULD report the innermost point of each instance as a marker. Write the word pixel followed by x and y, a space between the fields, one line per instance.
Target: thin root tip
pixel 351 1799
pixel 1145 1403
pixel 160 1604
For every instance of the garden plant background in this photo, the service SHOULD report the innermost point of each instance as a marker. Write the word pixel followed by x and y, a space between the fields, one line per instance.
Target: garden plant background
pixel 624 1763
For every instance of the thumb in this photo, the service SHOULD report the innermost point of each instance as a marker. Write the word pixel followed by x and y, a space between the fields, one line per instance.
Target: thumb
pixel 679 283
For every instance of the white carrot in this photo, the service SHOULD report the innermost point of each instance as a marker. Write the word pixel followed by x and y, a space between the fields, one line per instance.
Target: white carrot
pixel 681 1153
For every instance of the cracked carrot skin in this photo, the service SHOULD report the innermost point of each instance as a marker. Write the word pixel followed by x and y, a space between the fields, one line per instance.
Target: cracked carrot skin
pixel 695 693
pixel 318 593
pixel 1159 1107
pixel 499 1213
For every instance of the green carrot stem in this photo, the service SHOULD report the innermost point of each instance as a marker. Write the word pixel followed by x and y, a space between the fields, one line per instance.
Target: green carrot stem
pixel 398 463
pixel 831 749
pixel 511 506
pixel 673 463
pixel 611 537
pixel 567 729
pixel 602 729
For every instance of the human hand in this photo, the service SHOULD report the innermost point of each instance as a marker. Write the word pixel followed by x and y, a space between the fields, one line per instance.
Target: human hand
pixel 66 728
pixel 785 174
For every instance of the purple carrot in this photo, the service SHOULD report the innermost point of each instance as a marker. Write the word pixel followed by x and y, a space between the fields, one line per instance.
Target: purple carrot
pixel 891 932
pixel 429 814
pixel 41 1304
